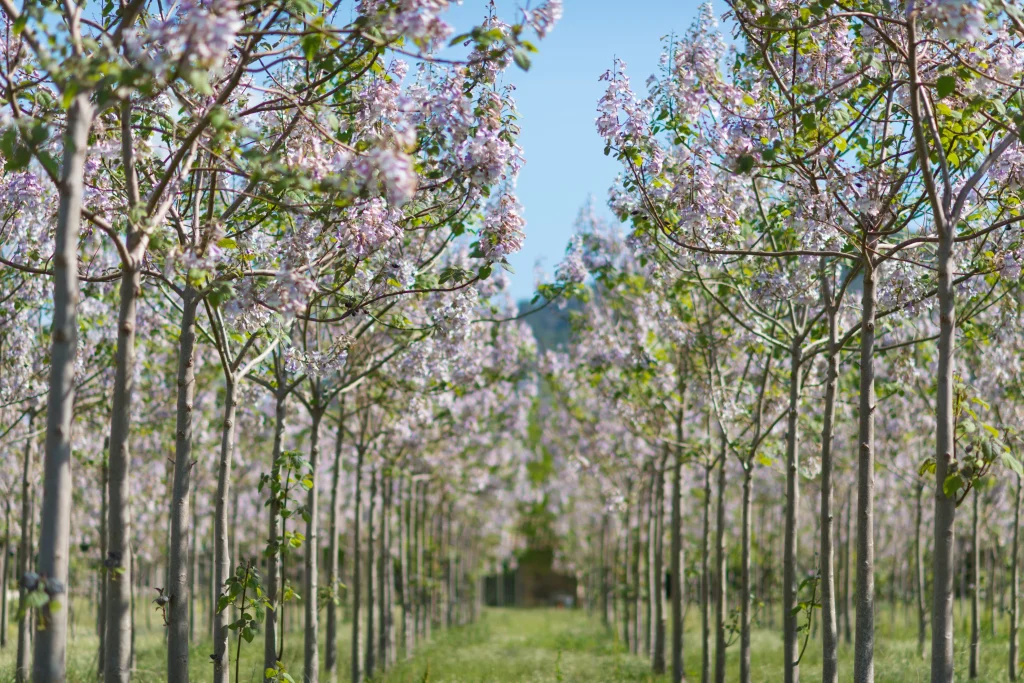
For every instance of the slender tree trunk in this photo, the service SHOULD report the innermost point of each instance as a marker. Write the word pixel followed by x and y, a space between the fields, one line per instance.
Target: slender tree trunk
pixel 636 559
pixel 658 656
pixel 23 664
pixel 789 569
pixel 382 574
pixel 676 532
pixel 627 573
pixel 334 563
pixel 602 570
pixel 864 643
pixel 945 507
pixel 829 634
pixel 357 568
pixel 649 581
pixel 847 584
pixel 177 552
pixel 705 582
pixel 311 648
pixel 747 587
pixel 720 577
pixel 274 531
pixel 405 491
pixel 922 615
pixel 420 510
pixel 117 585
pixel 1015 582
pixel 371 644
pixel 101 607
pixel 990 590
pixel 975 586
pixel 193 576
pixel 221 549
pixel 50 645
pixel 5 575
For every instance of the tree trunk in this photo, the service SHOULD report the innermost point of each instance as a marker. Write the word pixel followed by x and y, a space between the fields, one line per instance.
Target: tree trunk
pixel 357 569
pixel 720 576
pixel 747 587
pixel 829 634
pixel 23 664
pixel 274 531
pixel 847 585
pixel 658 654
pixel 705 582
pixel 5 575
pixel 945 507
pixel 221 549
pixel 369 665
pixel 116 642
pixel 975 585
pixel 676 560
pixel 602 570
pixel 421 535
pixel 382 574
pixel 49 649
pixel 864 643
pixel 311 649
pixel 334 565
pixel 405 550
pixel 789 569
pixel 627 573
pixel 922 615
pixel 636 559
pixel 1015 582
pixel 648 557
pixel 177 585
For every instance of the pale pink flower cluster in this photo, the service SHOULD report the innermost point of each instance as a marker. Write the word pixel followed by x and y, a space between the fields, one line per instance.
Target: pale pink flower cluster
pixel 200 33
pixel 418 20
pixel 955 20
pixel 502 232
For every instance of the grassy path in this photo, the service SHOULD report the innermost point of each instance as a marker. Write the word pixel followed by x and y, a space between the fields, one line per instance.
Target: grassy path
pixel 546 645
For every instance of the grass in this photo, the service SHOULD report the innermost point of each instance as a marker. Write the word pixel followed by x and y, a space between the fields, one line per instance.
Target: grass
pixel 550 645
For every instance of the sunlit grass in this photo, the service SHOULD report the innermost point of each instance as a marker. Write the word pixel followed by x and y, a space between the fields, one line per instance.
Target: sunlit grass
pixel 542 645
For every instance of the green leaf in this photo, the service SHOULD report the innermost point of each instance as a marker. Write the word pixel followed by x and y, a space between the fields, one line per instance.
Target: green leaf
pixel 1012 463
pixel 522 59
pixel 951 485
pixel 946 85
pixel 311 45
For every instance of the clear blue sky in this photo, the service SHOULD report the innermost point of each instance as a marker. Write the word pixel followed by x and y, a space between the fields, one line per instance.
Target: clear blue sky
pixel 557 100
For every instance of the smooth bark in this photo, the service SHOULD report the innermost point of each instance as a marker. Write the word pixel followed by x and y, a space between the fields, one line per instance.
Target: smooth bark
pixel 789 558
pixel 864 642
pixel 826 558
pixel 720 575
pixel 177 584
pixel 274 531
pixel 50 646
pixel 311 647
pixel 975 649
pixel 369 656
pixel 357 569
pixel 334 562
pixel 658 571
pixel 1015 583
pixel 22 667
pixel 221 548
pixel 922 613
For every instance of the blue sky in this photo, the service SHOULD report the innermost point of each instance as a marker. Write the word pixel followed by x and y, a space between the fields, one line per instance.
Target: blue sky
pixel 557 99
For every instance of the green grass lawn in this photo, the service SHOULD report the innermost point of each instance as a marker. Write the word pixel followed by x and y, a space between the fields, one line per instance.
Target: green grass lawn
pixel 518 645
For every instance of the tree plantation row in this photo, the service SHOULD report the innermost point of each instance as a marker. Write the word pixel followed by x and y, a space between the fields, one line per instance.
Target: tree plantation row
pixel 258 353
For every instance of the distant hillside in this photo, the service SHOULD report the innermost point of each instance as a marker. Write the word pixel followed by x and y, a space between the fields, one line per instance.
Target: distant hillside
pixel 550 325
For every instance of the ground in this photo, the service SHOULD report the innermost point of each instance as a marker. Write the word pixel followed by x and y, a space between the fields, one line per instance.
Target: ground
pixel 554 645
